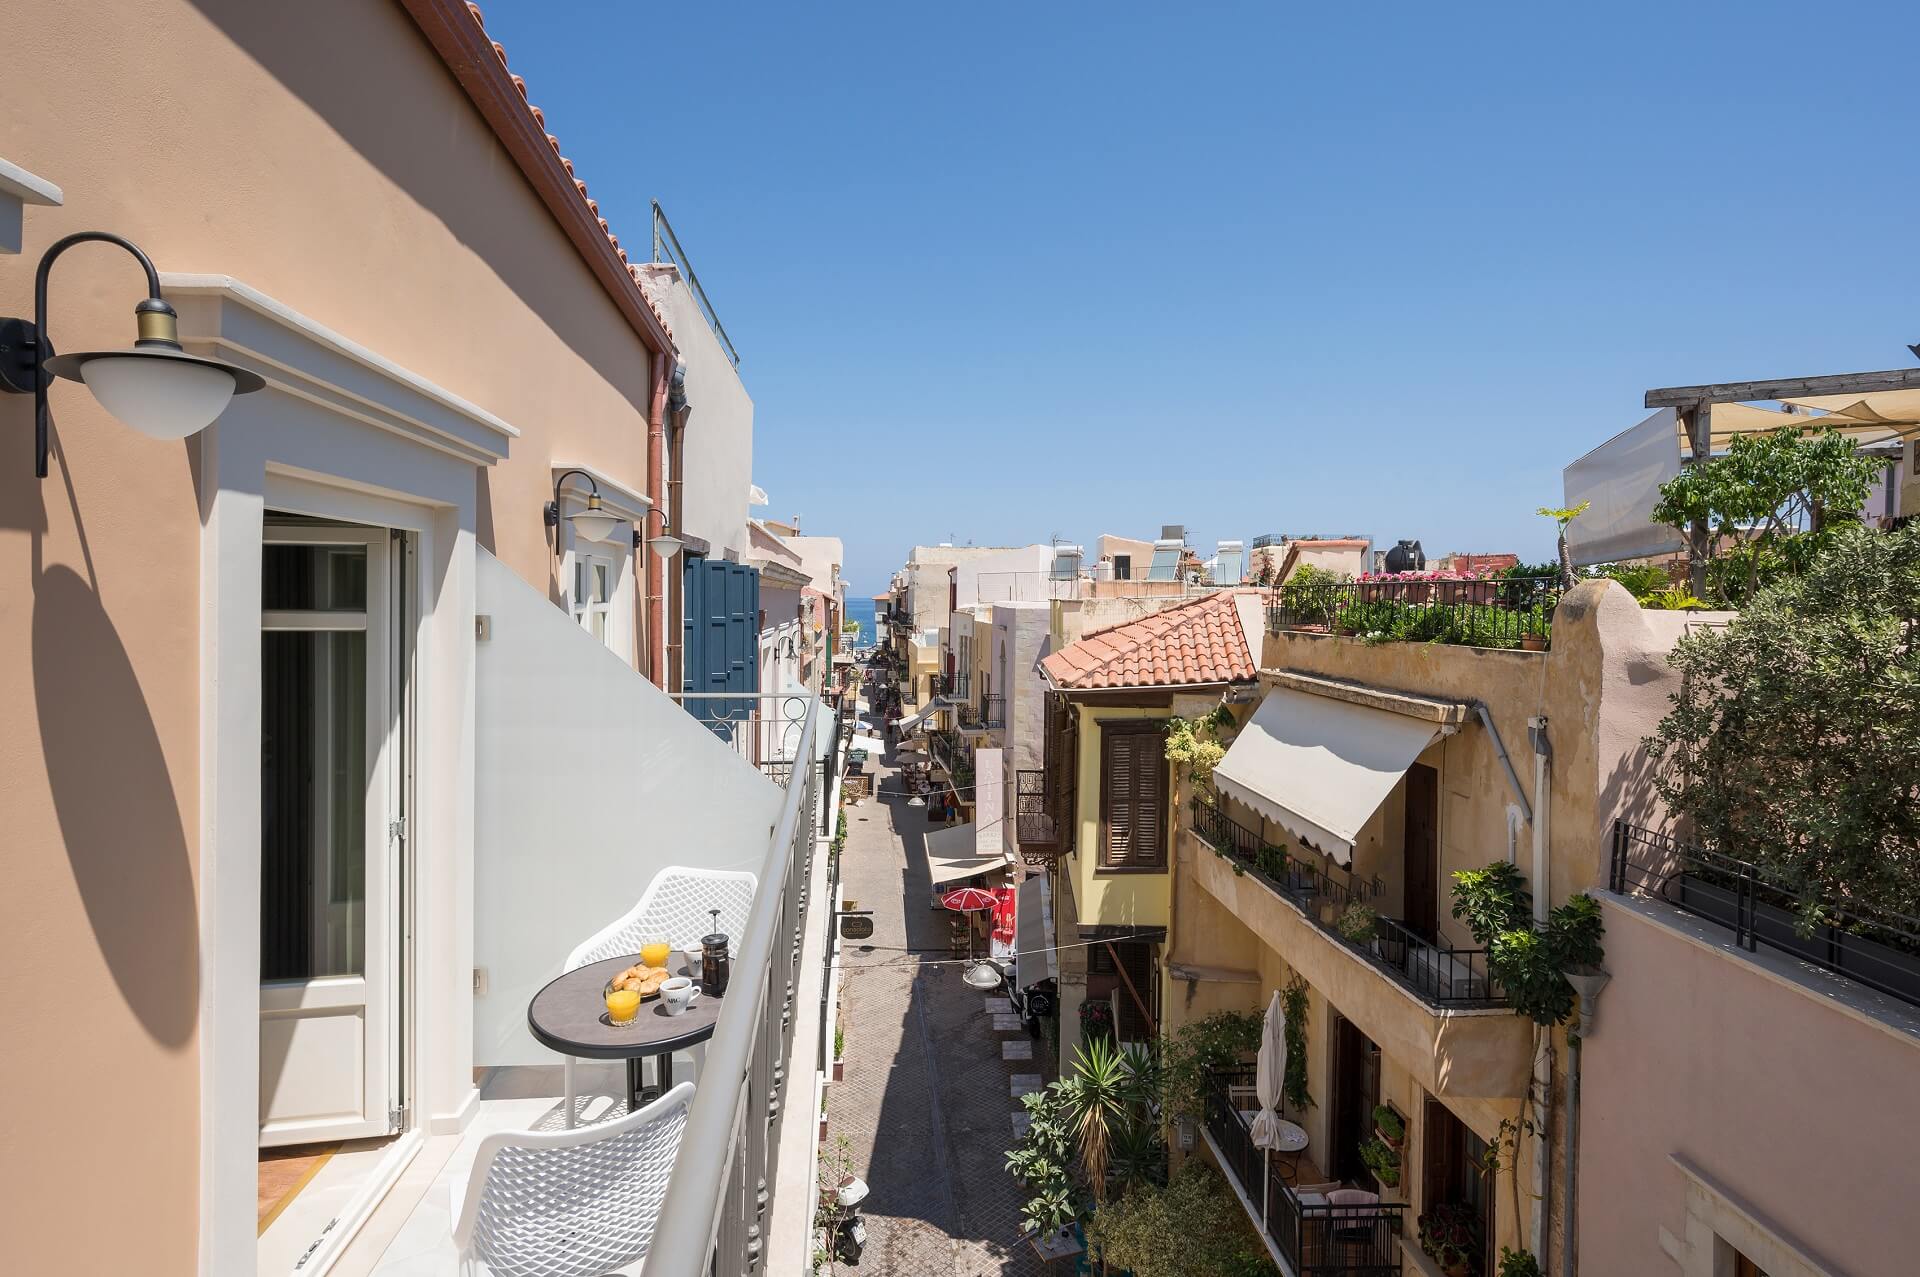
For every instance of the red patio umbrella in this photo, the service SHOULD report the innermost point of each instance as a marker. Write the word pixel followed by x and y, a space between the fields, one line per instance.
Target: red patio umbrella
pixel 967 900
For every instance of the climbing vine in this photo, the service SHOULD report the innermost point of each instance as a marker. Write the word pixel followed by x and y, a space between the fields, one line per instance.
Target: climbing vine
pixel 1195 742
pixel 1293 1000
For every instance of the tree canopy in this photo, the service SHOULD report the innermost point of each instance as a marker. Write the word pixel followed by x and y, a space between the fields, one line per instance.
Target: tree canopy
pixel 1769 504
pixel 1793 741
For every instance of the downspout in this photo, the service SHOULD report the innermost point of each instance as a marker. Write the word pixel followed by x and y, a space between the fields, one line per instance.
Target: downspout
pixel 678 410
pixel 1568 1155
pixel 657 521
pixel 1543 1036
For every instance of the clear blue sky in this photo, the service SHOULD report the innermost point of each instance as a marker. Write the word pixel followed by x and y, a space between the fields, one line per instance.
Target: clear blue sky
pixel 1005 271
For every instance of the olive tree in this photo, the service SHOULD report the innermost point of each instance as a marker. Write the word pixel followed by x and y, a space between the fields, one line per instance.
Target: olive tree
pixel 1792 741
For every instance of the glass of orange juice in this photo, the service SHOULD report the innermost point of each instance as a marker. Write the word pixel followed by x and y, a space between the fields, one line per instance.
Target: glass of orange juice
pixel 622 1004
pixel 655 954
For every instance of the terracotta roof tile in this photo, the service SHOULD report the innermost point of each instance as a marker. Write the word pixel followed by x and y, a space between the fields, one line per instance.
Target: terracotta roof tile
pixel 1198 642
pixel 540 118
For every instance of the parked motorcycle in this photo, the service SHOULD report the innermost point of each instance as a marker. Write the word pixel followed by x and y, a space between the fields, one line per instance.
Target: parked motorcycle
pixel 850 1234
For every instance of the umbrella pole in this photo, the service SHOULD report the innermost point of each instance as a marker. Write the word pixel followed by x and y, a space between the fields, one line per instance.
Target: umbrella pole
pixel 1266 1183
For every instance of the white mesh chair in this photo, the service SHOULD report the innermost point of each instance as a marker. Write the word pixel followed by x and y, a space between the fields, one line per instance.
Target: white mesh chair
pixel 570 1203
pixel 676 907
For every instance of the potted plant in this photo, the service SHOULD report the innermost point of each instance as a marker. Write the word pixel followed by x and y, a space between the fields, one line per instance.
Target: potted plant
pixel 1382 1162
pixel 1390 1127
pixel 1518 1263
pixel 1450 1237
pixel 839 1053
pixel 1358 923
pixel 1096 1019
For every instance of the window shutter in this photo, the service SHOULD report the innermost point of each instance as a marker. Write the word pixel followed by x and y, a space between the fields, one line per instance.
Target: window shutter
pixel 1117 797
pixel 1150 799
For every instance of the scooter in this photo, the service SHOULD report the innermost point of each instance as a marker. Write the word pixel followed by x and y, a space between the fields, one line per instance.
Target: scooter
pixel 850 1234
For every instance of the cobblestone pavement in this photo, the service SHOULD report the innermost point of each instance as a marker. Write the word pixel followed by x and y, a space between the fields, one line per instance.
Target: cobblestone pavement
pixel 927 1105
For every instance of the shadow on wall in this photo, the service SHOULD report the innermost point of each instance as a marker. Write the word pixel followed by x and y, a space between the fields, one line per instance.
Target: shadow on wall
pixel 108 778
pixel 306 48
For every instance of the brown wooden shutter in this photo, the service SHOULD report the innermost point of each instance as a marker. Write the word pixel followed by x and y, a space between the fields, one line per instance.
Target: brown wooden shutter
pixel 1133 796
pixel 1117 779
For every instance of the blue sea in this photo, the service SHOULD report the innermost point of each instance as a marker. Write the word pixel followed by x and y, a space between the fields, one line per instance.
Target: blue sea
pixel 861 610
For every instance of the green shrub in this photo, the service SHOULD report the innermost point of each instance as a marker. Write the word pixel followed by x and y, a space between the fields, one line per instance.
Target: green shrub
pixel 1193 1227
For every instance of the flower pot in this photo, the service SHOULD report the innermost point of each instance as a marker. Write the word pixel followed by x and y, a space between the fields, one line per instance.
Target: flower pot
pixel 823 1130
pixel 1461 1269
pixel 1531 643
pixel 1395 1144
pixel 840 1069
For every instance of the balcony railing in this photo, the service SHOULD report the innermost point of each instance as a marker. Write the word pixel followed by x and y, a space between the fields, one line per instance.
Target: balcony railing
pixel 954 686
pixel 1442 975
pixel 762 727
pixel 1876 947
pixel 993 711
pixel 1509 612
pixel 1035 825
pixel 720 1195
pixel 1318 1240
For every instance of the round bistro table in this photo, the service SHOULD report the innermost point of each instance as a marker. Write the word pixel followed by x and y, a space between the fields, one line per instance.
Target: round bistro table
pixel 569 1015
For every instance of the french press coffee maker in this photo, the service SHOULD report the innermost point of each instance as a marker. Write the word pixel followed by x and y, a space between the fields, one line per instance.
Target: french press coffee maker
pixel 715 965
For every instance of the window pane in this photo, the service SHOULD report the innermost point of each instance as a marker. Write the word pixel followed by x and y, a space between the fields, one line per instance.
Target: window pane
pixel 579 583
pixel 599 624
pixel 314 774
pixel 313 578
pixel 602 591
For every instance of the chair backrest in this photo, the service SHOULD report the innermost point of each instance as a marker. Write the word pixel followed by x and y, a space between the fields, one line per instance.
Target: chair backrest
pixel 1353 1204
pixel 579 1203
pixel 675 908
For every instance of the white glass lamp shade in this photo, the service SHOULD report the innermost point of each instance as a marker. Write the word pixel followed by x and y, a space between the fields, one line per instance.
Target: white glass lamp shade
pixel 594 523
pixel 160 397
pixel 666 546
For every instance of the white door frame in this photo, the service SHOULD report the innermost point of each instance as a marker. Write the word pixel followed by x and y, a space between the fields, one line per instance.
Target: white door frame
pixel 339 433
pixel 372 995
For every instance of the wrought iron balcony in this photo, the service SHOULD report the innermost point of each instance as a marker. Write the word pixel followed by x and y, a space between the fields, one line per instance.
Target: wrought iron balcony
pixel 993 711
pixel 1318 1239
pixel 1036 825
pixel 1439 974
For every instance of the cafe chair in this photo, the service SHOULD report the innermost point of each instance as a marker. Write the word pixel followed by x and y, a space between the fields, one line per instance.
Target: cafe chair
pixel 579 1203
pixel 677 907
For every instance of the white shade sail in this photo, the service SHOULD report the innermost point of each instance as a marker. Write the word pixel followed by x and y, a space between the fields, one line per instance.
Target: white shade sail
pixel 953 855
pixel 1620 481
pixel 1321 767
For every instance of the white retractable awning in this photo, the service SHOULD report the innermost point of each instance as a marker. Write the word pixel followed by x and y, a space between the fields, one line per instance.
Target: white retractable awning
pixel 1321 767
pixel 1032 924
pixel 920 715
pixel 872 744
pixel 952 854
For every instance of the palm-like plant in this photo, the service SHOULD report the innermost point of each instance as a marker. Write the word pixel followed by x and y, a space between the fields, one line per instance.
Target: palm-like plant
pixel 1105 1094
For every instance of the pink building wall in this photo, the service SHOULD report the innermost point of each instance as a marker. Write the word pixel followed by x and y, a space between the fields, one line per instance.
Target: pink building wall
pixel 1806 1111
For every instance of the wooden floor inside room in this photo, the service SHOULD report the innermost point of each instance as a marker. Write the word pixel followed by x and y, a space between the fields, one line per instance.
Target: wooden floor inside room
pixel 284 1172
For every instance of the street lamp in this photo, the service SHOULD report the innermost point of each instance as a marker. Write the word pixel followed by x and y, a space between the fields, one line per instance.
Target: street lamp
pixel 153 385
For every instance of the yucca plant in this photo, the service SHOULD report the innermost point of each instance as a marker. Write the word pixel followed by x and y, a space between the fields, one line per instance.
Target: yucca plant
pixel 1104 1094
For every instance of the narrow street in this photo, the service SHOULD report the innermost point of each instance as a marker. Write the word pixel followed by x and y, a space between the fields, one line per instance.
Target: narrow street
pixel 927 1107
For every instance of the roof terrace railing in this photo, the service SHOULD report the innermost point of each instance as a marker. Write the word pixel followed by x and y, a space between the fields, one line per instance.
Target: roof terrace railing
pixel 1853 938
pixel 1489 611
pixel 666 247
pixel 720 1194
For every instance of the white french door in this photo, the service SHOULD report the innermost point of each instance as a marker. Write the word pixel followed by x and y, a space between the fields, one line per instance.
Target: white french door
pixel 333 829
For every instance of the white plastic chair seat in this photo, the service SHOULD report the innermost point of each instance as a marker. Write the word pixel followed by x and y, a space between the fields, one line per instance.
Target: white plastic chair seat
pixel 579 1203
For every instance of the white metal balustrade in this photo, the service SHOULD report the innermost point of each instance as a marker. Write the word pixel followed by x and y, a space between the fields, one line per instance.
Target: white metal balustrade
pixel 720 1197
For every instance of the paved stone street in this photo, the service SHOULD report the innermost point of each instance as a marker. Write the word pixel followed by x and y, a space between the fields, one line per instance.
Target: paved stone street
pixel 927 1106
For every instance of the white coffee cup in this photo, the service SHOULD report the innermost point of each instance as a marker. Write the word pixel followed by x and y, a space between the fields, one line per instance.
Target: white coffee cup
pixel 677 994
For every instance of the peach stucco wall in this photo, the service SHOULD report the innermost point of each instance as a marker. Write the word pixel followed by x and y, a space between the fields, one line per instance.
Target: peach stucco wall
pixel 1804 1111
pixel 322 154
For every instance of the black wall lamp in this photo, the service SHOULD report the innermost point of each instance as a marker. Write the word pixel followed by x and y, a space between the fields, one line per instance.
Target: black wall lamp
pixel 595 523
pixel 153 385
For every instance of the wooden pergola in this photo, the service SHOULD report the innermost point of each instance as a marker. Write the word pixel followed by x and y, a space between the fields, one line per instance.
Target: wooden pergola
pixel 1694 404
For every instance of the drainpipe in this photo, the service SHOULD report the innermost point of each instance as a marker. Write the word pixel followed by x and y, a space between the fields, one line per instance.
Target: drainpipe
pixel 675 515
pixel 1587 984
pixel 1543 1036
pixel 656 520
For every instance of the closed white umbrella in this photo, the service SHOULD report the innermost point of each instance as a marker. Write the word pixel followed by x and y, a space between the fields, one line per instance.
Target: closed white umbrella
pixel 1269 1075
